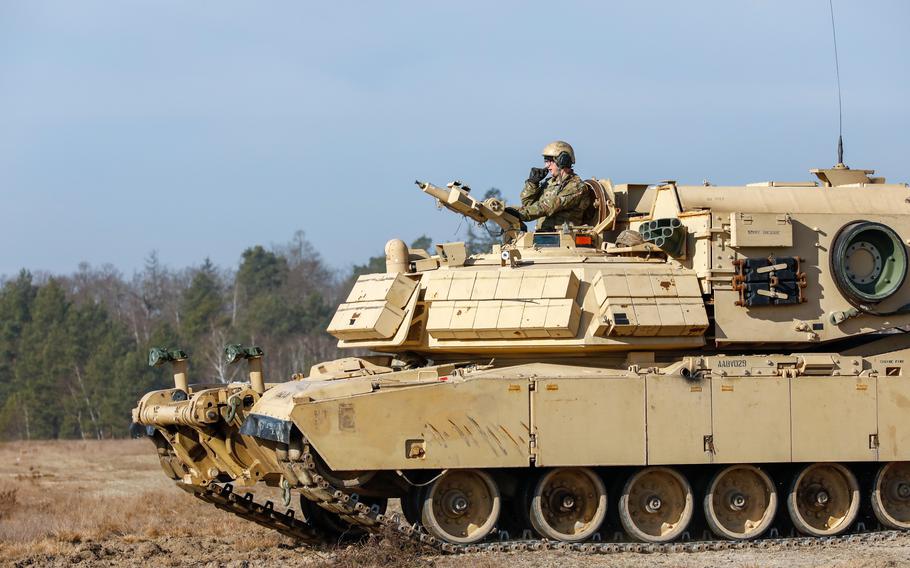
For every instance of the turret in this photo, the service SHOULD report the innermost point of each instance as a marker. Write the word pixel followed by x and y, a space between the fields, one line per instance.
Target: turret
pixel 712 269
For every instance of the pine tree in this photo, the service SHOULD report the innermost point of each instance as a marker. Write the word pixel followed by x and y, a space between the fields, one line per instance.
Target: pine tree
pixel 16 299
pixel 261 271
pixel 202 304
pixel 43 367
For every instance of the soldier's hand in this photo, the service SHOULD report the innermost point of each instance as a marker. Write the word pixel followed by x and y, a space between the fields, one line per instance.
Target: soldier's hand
pixel 537 174
pixel 520 215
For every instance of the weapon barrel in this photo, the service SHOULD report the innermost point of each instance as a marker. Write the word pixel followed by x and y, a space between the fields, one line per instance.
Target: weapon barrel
pixel 437 192
pixel 461 202
pixel 454 199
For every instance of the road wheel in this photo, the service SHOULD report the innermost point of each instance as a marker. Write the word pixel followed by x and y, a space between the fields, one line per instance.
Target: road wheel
pixel 461 506
pixel 740 502
pixel 656 505
pixel 823 499
pixel 891 495
pixel 568 504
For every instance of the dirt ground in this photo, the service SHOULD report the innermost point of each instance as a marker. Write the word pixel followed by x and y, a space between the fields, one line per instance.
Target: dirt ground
pixel 108 504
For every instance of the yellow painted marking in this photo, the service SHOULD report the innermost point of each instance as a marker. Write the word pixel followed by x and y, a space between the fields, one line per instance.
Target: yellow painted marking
pixel 552 387
pixel 861 386
pixel 695 389
pixel 514 388
pixel 726 388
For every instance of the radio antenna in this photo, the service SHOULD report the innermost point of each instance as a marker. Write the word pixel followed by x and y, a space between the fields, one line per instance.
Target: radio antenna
pixel 840 104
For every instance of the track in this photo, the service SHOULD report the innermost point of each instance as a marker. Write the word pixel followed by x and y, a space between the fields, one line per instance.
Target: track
pixel 349 508
pixel 223 497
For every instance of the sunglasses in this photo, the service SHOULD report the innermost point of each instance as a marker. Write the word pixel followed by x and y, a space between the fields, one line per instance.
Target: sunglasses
pixel 548 159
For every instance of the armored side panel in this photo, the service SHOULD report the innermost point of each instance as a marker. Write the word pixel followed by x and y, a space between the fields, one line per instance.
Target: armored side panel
pixel 750 419
pixel 469 424
pixel 821 406
pixel 590 421
pixel 679 422
pixel 893 397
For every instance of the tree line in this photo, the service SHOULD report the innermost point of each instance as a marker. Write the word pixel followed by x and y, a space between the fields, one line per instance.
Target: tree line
pixel 74 348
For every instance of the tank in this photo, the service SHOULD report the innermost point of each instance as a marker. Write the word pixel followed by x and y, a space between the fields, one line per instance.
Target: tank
pixel 694 363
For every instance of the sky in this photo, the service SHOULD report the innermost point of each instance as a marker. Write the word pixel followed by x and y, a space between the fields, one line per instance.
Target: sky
pixel 198 129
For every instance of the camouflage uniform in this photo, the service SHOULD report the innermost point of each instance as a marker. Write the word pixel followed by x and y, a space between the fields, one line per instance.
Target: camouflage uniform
pixel 563 199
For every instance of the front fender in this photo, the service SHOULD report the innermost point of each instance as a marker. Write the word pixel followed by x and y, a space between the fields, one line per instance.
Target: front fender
pixel 271 416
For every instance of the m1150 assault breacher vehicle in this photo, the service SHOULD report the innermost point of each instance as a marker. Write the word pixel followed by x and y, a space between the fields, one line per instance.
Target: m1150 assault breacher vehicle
pixel 694 358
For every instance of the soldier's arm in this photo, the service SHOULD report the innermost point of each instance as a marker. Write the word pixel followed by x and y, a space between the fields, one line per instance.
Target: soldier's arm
pixel 531 193
pixel 530 196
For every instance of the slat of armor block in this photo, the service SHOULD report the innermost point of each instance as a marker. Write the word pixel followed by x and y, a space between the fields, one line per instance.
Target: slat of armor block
pixel 366 320
pixel 560 284
pixel 438 286
pixel 462 285
pixel 485 285
pixel 392 288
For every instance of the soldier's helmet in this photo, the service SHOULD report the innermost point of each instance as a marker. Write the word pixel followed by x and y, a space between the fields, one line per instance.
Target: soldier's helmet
pixel 556 149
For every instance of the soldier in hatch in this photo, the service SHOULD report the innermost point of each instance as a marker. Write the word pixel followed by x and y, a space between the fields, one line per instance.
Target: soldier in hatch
pixel 563 198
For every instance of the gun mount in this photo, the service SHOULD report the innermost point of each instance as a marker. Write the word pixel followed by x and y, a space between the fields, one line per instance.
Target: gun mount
pixel 457 198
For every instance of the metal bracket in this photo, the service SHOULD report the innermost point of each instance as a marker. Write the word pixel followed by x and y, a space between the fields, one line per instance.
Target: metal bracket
pixel 772 280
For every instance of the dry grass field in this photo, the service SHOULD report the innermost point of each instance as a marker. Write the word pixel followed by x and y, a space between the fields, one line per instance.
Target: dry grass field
pixel 108 504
